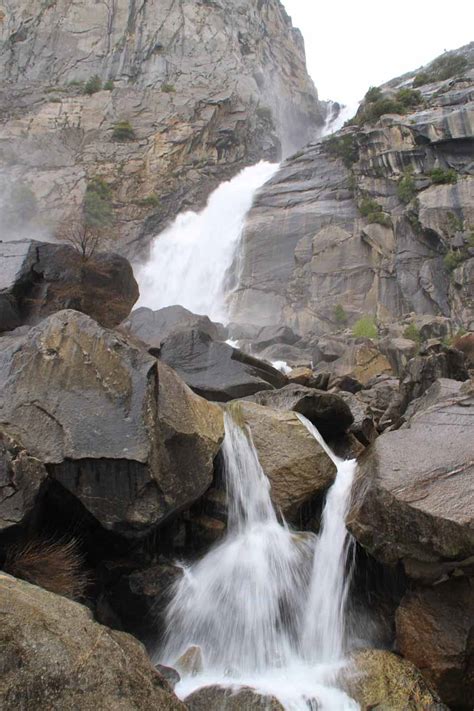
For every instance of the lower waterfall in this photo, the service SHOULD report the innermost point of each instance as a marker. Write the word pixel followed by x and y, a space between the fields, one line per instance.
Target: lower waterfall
pixel 267 604
pixel 189 261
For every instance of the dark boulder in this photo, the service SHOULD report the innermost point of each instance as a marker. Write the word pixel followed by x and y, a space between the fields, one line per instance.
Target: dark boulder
pixel 327 411
pixel 42 278
pixel 275 335
pixel 216 370
pixel 153 327
pixel 114 426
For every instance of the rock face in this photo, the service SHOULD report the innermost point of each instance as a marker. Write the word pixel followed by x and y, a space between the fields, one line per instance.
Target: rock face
pixel 122 432
pixel 40 278
pixel 218 698
pixel 297 466
pixel 435 630
pixel 54 656
pixel 216 370
pixel 413 496
pixel 202 89
pixel 336 234
pixel 21 479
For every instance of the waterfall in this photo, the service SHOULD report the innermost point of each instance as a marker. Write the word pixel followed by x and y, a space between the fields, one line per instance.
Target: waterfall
pixel 266 605
pixel 189 261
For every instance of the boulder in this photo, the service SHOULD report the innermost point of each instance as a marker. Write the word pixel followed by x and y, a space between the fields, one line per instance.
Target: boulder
pixel 435 631
pixel 399 352
pixel 293 356
pixel 363 425
pixel 115 427
pixel 413 495
pixel 465 344
pixel 216 370
pixel 190 662
pixel 21 482
pixel 243 698
pixel 153 327
pixel 42 278
pixel 54 656
pixel 295 463
pixel 327 411
pixel 378 679
pixel 305 376
pixel 275 335
pixel 362 361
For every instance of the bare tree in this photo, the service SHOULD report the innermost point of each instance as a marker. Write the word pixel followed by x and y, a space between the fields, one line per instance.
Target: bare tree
pixel 84 238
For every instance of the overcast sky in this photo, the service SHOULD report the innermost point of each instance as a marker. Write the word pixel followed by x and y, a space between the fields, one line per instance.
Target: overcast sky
pixel 353 44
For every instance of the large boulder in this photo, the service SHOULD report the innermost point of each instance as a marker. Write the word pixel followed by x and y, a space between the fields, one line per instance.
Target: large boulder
pixel 54 656
pixel 362 361
pixel 115 427
pixel 435 630
pixel 413 495
pixel 41 278
pixel 327 411
pixel 21 482
pixel 216 370
pixel 218 698
pixel 297 466
pixel 378 679
pixel 153 327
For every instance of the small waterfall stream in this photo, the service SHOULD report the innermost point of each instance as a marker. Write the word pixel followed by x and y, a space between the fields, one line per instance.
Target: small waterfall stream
pixel 267 604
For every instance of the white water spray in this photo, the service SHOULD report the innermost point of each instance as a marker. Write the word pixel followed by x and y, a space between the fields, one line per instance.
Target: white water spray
pixel 190 260
pixel 259 604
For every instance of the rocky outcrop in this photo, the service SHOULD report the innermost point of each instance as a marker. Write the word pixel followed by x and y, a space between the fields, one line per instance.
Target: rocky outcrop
pixel 153 327
pixel 55 656
pixel 117 429
pixel 218 698
pixel 298 468
pixel 40 278
pixel 435 630
pixel 413 496
pixel 162 100
pixel 374 220
pixel 216 370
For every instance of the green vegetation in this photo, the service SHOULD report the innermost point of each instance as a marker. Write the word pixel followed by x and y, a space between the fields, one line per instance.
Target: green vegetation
pixel 149 201
pixel 409 98
pixel 109 85
pixel 123 131
pixel 97 206
pixel 439 176
pixel 365 327
pixel 340 315
pixel 406 188
pixel 376 104
pixel 370 208
pixel 343 147
pixel 454 223
pixel 374 94
pixel 444 67
pixel 453 259
pixel 93 85
pixel 168 88
pixel 412 333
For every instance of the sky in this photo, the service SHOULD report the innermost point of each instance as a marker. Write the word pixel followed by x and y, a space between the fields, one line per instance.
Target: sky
pixel 354 44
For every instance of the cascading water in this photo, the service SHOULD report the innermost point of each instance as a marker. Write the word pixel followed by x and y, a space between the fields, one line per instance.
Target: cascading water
pixel 266 605
pixel 189 261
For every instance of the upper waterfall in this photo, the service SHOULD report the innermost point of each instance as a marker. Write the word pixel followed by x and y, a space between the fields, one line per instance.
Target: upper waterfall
pixel 189 261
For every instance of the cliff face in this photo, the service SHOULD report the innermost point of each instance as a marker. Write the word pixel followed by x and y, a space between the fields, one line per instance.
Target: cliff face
pixel 377 219
pixel 197 89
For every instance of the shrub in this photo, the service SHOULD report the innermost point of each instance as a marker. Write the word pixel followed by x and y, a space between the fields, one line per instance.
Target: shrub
pixel 123 131
pixel 343 147
pixel 452 260
pixel 374 110
pixel 93 85
pixel 365 327
pixel 97 207
pixel 408 97
pixel 370 208
pixel 421 79
pixel 447 66
pixel 56 566
pixel 109 85
pixel 412 333
pixel 406 189
pixel 373 94
pixel 340 315
pixel 168 88
pixel 441 176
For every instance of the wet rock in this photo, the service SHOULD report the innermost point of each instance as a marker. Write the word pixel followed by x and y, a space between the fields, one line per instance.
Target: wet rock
pixel 191 661
pixel 362 362
pixel 115 427
pixel 218 698
pixel 153 327
pixel 465 344
pixel 413 495
pixel 399 352
pixel 216 370
pixel 274 335
pixel 43 278
pixel 293 356
pixel 21 481
pixel 327 411
pixel 329 349
pixel 55 656
pixel 435 631
pixel 363 425
pixel 378 679
pixel 170 674
pixel 306 377
pixel 296 465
